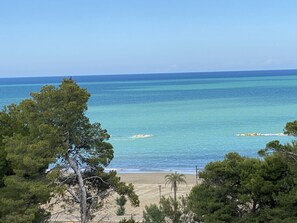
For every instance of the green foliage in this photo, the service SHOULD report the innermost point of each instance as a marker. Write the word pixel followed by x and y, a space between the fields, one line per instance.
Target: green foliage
pixel 174 179
pixel 121 201
pixel 41 139
pixel 153 214
pixel 120 211
pixel 131 220
pixel 123 189
pixel 8 126
pixel 291 128
pixel 23 184
pixel 21 199
pixel 287 202
pixel 169 210
pixel 241 189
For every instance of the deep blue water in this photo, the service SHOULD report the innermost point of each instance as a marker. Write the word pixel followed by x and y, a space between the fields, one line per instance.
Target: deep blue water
pixel 191 118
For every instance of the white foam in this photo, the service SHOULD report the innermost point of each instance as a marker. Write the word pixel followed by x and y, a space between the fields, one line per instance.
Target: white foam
pixel 261 134
pixel 141 136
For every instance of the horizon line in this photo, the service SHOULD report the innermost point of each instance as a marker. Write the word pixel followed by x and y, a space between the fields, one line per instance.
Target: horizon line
pixel 148 73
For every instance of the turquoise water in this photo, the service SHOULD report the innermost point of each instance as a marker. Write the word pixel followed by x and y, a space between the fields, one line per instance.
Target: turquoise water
pixel 188 119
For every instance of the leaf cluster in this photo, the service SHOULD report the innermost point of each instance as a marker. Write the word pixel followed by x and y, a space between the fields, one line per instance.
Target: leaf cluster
pixel 169 210
pixel 23 184
pixel 242 189
pixel 131 220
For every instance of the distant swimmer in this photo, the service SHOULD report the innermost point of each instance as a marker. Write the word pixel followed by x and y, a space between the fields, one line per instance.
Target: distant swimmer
pixel 261 134
pixel 141 136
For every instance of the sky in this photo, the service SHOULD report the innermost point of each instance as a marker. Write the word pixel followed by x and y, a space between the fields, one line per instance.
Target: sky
pixel 75 37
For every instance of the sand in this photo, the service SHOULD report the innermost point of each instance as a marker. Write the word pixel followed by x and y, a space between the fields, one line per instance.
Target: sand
pixel 148 186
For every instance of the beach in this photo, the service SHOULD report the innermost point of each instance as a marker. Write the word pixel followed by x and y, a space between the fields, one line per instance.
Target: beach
pixel 148 186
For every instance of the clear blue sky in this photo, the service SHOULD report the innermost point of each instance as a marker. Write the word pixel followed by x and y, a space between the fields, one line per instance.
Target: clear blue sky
pixel 69 37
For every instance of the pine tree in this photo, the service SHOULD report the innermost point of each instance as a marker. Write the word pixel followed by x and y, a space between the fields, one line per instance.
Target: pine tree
pixel 61 152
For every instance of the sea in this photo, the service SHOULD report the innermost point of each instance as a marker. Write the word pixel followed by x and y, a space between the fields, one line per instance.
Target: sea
pixel 180 121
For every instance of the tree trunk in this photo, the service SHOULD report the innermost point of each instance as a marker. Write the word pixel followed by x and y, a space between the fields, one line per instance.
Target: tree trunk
pixel 82 189
pixel 174 190
pixel 254 208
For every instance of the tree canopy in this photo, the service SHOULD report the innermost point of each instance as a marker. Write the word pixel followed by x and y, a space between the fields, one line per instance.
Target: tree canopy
pixel 174 179
pixel 169 211
pixel 50 147
pixel 242 189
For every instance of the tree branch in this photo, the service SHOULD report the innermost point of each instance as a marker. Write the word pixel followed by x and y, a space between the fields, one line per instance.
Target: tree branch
pixel 291 154
pixel 87 178
pixel 73 195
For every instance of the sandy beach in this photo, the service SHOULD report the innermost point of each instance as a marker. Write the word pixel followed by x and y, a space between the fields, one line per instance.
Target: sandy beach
pixel 148 186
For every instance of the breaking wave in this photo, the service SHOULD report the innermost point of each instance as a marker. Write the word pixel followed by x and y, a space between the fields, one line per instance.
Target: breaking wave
pixel 141 136
pixel 261 134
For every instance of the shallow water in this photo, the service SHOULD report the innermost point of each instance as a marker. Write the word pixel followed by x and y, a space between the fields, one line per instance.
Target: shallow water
pixel 190 119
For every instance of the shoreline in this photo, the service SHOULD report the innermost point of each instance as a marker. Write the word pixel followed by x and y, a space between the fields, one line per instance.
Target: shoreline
pixel 191 171
pixel 153 177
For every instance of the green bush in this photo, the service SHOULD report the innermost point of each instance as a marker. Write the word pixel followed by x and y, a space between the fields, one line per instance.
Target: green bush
pixel 120 211
pixel 121 201
pixel 131 220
